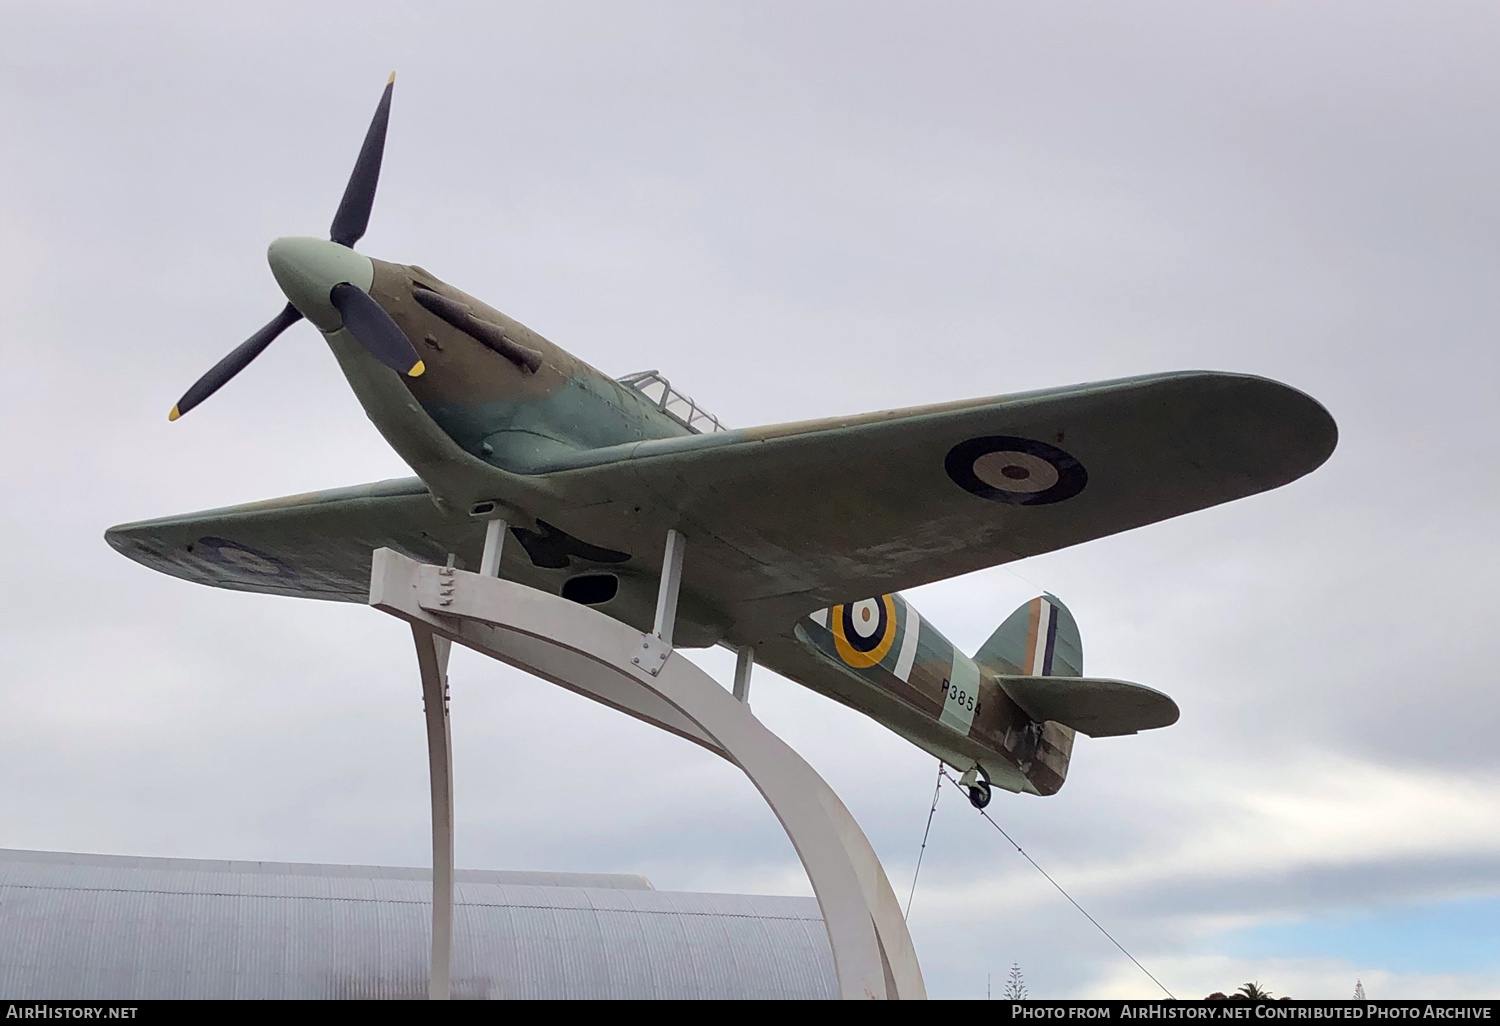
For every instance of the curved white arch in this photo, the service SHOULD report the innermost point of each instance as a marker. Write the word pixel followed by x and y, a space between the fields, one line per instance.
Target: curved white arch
pixel 592 654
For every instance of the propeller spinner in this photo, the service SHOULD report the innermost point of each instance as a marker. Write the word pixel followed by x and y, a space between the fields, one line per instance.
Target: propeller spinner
pixel 327 282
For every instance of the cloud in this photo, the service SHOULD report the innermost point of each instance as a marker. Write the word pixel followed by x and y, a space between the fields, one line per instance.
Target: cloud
pixel 792 211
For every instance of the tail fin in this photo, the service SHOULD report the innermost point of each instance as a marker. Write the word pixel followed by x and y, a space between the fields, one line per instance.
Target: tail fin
pixel 1039 643
pixel 1040 639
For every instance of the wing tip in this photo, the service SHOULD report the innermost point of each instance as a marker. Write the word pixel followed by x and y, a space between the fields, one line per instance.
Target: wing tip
pixel 1284 420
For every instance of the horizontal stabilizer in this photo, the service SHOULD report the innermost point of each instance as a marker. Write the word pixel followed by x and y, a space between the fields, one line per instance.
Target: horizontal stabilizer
pixel 1091 705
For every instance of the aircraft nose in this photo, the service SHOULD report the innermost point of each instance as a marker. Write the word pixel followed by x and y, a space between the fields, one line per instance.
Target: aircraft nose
pixel 307 270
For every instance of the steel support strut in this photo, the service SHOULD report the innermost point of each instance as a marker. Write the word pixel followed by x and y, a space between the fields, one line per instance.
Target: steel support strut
pixel 594 655
pixel 744 665
pixel 669 587
pixel 432 660
pixel 657 646
pixel 494 542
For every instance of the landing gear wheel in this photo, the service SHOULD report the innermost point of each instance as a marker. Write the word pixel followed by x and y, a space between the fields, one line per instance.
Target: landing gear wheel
pixel 976 784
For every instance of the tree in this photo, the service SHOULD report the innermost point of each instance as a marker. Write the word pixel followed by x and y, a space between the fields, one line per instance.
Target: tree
pixel 1015 984
pixel 1359 991
pixel 1254 992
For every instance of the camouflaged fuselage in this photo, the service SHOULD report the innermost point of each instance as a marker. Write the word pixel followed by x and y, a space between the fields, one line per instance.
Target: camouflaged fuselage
pixel 524 421
pixel 498 410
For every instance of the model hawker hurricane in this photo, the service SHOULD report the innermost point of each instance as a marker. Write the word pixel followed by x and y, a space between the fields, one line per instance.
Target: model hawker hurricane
pixel 802 534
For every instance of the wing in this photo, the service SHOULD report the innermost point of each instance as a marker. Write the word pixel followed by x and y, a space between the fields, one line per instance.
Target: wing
pixel 314 546
pixel 319 546
pixel 785 519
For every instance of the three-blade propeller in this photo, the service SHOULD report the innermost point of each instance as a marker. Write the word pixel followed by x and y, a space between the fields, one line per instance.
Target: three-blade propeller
pixel 363 318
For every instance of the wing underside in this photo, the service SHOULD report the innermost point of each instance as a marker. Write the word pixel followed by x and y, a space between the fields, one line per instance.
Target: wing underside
pixel 312 546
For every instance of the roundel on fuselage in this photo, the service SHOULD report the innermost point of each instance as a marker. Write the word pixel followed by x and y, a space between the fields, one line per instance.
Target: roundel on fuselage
pixel 864 631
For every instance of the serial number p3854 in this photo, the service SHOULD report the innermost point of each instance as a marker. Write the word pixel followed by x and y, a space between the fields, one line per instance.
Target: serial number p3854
pixel 961 698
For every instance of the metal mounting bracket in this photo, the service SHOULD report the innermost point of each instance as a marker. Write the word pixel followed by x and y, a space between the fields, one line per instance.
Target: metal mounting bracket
pixel 652 655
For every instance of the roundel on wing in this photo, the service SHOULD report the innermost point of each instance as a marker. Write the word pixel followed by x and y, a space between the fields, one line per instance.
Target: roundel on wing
pixel 1018 471
pixel 241 557
pixel 864 631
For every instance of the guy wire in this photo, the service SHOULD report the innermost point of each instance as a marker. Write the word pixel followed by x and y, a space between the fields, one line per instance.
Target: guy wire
pixel 1060 890
pixel 930 812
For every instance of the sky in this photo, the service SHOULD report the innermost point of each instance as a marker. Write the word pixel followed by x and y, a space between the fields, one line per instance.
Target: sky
pixel 795 210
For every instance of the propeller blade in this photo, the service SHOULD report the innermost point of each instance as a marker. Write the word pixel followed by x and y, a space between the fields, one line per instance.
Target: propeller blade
pixel 368 322
pixel 353 215
pixel 219 375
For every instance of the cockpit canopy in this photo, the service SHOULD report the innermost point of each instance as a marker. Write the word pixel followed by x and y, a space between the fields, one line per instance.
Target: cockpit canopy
pixel 673 403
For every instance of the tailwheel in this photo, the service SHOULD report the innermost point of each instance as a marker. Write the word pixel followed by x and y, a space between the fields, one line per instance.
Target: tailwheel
pixel 976 784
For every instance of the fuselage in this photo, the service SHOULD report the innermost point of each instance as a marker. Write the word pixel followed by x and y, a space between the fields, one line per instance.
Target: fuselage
pixel 510 398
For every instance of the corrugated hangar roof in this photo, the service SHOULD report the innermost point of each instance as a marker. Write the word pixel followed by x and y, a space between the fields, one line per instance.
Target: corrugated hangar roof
pixel 121 927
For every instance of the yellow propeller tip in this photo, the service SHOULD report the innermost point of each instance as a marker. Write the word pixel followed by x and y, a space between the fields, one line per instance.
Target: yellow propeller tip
pixel 392 79
pixel 417 369
pixel 174 414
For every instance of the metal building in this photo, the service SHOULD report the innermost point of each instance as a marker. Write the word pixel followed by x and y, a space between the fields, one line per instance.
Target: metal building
pixel 109 926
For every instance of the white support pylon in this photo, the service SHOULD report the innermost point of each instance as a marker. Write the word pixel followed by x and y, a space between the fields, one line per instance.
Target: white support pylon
pixel 432 660
pixel 657 646
pixel 494 544
pixel 594 655
pixel 744 666
pixel 669 587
